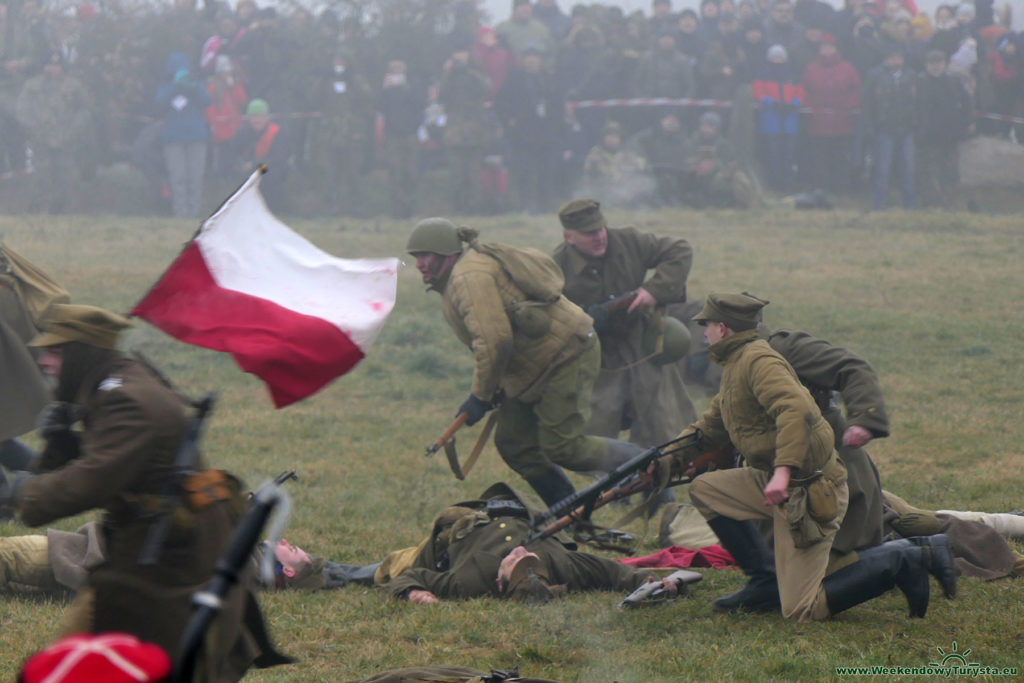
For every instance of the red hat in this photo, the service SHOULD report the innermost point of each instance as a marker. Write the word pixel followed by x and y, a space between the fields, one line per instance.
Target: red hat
pixel 107 657
pixel 828 38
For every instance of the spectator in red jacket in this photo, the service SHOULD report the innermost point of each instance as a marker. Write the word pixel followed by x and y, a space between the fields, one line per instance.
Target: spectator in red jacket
pixel 224 115
pixel 832 91
pixel 491 58
pixel 1006 73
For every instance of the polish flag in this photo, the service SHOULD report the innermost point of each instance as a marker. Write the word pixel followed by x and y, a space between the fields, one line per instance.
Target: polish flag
pixel 289 313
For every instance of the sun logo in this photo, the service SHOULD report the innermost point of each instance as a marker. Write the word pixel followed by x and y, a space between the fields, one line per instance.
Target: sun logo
pixel 954 657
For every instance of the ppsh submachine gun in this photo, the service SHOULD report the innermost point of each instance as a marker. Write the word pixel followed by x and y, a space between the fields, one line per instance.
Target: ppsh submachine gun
pixel 630 477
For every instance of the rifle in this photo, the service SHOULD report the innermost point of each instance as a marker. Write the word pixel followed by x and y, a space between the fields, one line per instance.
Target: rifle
pixel 654 592
pixel 184 467
pixel 602 312
pixel 626 479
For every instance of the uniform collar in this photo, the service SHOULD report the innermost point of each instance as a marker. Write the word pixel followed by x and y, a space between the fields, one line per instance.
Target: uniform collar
pixel 723 349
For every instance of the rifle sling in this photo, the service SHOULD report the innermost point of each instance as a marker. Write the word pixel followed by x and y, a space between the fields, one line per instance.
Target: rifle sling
pixel 474 455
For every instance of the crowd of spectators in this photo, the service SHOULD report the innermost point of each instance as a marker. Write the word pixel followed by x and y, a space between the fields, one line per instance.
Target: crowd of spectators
pixel 794 95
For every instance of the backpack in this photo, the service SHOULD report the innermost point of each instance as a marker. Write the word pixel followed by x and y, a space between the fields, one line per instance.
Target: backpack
pixel 539 278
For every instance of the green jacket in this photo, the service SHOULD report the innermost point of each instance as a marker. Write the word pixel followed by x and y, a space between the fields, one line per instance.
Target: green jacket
pixel 631 254
pixel 824 369
pixel 476 300
pixel 764 410
pixel 466 547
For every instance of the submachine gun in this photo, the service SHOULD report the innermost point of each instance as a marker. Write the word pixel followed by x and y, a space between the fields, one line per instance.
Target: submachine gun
pixel 628 478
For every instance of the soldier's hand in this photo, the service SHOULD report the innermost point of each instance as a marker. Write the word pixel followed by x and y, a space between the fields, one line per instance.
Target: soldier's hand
pixel 423 598
pixel 643 300
pixel 777 490
pixel 475 409
pixel 56 418
pixel 856 436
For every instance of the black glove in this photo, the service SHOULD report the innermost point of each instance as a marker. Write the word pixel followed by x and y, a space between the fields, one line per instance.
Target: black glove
pixel 475 409
pixel 602 317
pixel 55 419
pixel 9 489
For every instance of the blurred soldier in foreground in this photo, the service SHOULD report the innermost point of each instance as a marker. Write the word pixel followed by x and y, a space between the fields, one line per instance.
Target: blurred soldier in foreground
pixel 638 388
pixel 25 293
pixel 133 426
pixel 794 478
pixel 535 352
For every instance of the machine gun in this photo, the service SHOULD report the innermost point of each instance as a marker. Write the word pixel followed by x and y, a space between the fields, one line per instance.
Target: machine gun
pixel 628 478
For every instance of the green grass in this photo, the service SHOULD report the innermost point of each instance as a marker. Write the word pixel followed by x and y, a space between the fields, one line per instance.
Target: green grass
pixel 933 300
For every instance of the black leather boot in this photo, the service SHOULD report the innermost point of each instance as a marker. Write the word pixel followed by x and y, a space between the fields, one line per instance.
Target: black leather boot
pixel 552 486
pixel 745 544
pixel 940 560
pixel 899 564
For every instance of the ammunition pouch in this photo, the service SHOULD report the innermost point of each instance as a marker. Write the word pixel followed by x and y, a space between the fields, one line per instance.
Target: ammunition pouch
pixel 530 318
pixel 814 503
pixel 205 488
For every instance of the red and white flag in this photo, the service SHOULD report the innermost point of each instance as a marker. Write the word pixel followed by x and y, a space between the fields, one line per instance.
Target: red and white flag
pixel 288 312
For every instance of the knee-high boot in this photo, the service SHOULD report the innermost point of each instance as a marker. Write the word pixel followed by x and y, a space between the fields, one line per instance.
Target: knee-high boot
pixel 899 564
pixel 745 544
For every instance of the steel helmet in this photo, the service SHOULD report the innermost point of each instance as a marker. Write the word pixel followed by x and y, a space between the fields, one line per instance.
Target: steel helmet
pixel 675 344
pixel 436 235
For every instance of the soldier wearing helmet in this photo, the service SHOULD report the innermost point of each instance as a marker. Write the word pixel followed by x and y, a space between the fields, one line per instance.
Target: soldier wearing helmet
pixel 537 355
pixel 640 387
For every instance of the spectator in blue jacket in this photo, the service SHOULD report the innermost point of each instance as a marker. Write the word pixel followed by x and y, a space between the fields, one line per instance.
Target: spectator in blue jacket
pixel 182 101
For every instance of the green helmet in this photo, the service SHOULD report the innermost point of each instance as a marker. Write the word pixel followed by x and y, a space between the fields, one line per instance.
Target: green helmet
pixel 436 235
pixel 676 341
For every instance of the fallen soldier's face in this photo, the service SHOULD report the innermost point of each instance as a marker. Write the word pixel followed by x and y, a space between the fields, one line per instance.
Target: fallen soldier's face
pixel 291 558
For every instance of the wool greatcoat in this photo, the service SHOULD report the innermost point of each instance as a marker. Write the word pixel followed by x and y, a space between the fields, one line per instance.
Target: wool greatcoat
pixel 770 417
pixel 460 559
pixel 544 381
pixel 133 427
pixel 824 369
pixel 651 401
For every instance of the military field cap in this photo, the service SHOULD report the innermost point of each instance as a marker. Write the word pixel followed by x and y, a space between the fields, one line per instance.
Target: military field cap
pixel 529 582
pixel 739 312
pixel 582 215
pixel 64 323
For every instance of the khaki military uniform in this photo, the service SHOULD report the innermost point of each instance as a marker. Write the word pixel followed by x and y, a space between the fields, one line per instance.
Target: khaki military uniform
pixel 823 369
pixel 619 176
pixel 651 400
pixel 460 559
pixel 133 427
pixel 54 112
pixel 772 420
pixel 545 380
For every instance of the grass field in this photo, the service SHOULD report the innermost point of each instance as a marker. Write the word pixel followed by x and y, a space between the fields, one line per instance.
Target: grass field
pixel 933 300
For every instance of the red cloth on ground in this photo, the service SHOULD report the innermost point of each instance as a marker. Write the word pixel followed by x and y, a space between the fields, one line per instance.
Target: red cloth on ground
pixel 676 556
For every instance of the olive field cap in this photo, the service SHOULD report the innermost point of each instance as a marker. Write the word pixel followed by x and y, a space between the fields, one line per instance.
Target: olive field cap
pixel 63 323
pixel 582 215
pixel 436 235
pixel 529 582
pixel 739 312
